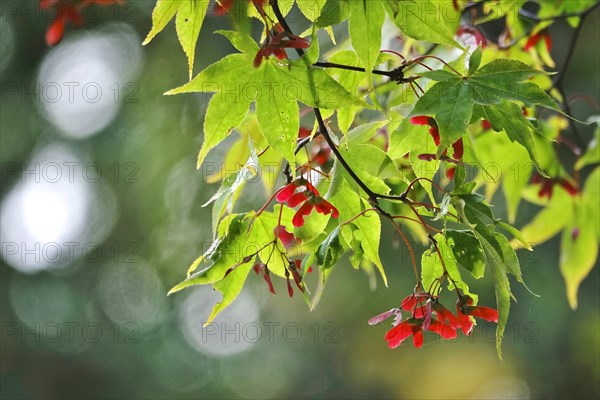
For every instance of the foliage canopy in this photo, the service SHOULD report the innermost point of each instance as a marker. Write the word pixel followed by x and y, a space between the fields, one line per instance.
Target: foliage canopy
pixel 391 112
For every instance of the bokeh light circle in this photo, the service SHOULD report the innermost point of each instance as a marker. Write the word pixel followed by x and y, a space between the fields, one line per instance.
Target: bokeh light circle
pixel 226 336
pixel 83 82
pixel 55 212
pixel 132 294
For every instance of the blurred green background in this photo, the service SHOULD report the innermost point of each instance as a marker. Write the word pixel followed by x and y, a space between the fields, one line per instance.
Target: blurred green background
pixel 101 214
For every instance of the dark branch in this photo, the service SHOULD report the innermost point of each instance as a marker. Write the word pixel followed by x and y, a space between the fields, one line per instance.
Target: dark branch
pixel 558 83
pixel 572 123
pixel 301 144
pixel 322 127
pixel 572 46
pixel 325 132
pixel 373 196
pixel 349 68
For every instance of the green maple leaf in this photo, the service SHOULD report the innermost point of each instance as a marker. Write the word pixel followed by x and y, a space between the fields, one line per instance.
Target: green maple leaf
pixel 241 237
pixel 508 117
pixel 432 269
pixel 424 20
pixel 467 251
pixel 276 88
pixel 364 233
pixel 509 157
pixel 311 8
pixel 189 20
pixel 503 79
pixel 500 256
pixel 364 27
pixel 580 238
pixel 451 104
pixel 491 92
pixel 225 253
pixel 502 289
pixel 592 154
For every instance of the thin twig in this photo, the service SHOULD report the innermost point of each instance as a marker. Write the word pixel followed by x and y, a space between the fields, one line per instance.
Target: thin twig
pixel 572 123
pixel 571 52
pixel 410 251
pixel 323 64
pixel 301 144
pixel 360 214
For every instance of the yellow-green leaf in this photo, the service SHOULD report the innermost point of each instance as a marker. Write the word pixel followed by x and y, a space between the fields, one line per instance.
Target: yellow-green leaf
pixel 188 24
pixel 230 287
pixel 366 20
pixel 579 241
pixel 163 12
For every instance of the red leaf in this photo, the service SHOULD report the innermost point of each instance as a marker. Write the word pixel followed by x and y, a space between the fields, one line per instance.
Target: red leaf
pixel 324 207
pixel 55 32
pixel 487 313
pixel 262 53
pixel 548 40
pixel 546 189
pixel 288 239
pixel 297 199
pixel 537 178
pixel 303 133
pixel 309 186
pixel 426 157
pixel 422 120
pixel 286 193
pixel 417 336
pixel 532 41
pixel 222 7
pixel 445 331
pixel 458 149
pixel 420 312
pixel 473 31
pixel 435 134
pixel 257 268
pixel 572 190
pixel 465 321
pixel 267 278
pixel 398 334
pixel 294 267
pixel 321 157
pixel 445 316
pixel 298 219
pixel 450 173
pixel 409 302
pixel 320 152
pixel 535 39
pixel 280 54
